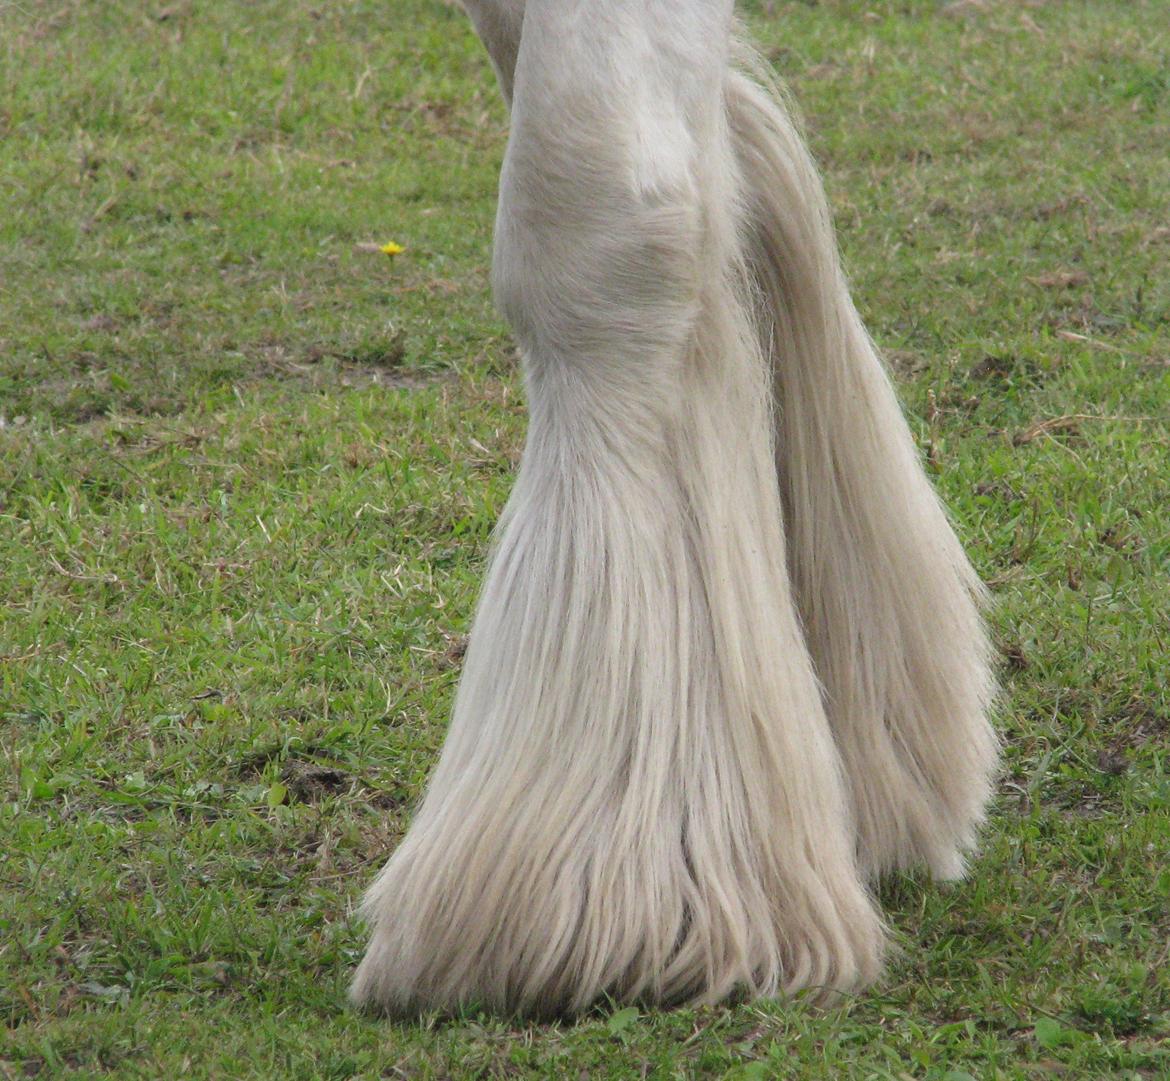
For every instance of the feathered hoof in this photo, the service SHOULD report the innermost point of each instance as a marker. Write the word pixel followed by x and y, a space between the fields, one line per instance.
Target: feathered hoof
pixel 561 954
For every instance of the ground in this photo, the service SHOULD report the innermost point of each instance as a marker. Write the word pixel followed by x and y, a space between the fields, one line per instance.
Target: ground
pixel 249 466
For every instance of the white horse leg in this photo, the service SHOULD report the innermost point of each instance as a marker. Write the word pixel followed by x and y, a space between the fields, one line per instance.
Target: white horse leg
pixel 498 24
pixel 887 598
pixel 639 795
pixel 886 595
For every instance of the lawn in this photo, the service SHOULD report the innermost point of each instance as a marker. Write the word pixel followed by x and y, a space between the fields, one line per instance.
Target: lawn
pixel 249 467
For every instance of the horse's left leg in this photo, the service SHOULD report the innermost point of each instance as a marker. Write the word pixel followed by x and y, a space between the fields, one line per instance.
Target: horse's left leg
pixel 639 795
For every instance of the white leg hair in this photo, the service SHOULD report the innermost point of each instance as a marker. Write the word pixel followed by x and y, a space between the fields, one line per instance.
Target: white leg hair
pixel 886 595
pixel 645 793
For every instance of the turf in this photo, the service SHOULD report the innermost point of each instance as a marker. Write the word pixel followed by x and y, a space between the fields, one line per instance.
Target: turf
pixel 249 466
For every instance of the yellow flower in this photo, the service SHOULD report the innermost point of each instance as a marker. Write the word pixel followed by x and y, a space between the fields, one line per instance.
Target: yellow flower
pixel 391 249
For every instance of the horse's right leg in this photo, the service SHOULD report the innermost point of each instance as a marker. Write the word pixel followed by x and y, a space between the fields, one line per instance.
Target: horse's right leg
pixel 885 591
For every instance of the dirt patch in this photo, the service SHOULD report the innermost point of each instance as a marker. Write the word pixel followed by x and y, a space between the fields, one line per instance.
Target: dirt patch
pixel 311 782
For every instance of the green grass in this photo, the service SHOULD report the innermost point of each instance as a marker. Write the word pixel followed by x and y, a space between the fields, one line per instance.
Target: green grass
pixel 248 472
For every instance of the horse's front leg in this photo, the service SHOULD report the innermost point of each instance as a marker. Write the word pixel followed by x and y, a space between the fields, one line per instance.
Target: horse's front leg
pixel 639 795
pixel 885 592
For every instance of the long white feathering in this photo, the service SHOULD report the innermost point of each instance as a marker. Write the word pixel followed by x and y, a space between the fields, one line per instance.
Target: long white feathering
pixel 887 598
pixel 727 664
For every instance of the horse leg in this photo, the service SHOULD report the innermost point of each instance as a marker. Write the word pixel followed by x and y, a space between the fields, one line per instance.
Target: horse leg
pixel 639 795
pixel 887 598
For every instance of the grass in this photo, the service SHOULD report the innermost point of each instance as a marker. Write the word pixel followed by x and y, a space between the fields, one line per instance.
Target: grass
pixel 248 472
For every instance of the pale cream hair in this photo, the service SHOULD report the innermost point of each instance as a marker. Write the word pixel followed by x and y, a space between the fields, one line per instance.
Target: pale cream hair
pixel 727 666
